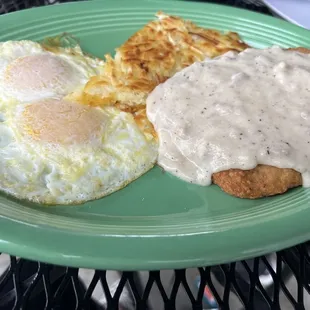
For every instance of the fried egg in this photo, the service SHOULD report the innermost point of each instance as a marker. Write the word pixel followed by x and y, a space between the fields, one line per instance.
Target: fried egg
pixel 56 151
pixel 29 71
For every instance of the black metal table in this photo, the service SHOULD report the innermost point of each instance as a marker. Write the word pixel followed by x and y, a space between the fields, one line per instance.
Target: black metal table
pixel 35 285
pixel 259 283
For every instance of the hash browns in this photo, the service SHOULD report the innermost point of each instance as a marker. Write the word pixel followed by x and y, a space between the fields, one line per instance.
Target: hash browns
pixel 152 55
pixel 149 57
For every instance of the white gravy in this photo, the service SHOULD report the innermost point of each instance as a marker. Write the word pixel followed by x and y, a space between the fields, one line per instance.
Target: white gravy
pixel 235 111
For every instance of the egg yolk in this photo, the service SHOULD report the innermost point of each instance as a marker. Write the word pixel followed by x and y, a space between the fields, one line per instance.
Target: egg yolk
pixel 61 122
pixel 31 76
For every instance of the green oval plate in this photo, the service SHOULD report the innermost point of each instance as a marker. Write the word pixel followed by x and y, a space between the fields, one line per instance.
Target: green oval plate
pixel 157 221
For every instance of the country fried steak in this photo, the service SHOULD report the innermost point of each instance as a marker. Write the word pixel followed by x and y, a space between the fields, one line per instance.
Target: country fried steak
pixel 261 181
